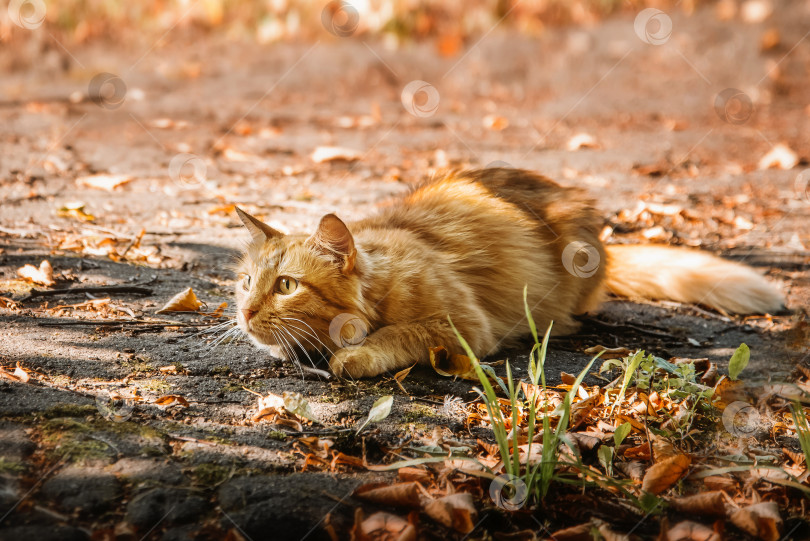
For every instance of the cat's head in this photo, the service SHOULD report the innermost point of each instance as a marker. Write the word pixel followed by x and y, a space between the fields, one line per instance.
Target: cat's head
pixel 291 288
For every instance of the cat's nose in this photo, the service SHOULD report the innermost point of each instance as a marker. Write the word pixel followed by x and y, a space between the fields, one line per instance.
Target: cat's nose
pixel 248 314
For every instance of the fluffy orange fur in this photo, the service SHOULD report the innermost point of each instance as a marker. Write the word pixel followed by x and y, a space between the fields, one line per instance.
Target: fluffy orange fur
pixel 377 293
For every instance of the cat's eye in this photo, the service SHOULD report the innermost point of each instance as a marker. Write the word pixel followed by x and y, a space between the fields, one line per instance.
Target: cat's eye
pixel 246 282
pixel 286 285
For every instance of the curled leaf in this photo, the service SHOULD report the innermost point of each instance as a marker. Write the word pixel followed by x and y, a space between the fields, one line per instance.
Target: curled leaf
pixel 398 495
pixel 379 411
pixel 449 365
pixel 42 275
pixel 170 400
pixel 185 301
pixel 739 361
pixel 455 511
pixel 297 404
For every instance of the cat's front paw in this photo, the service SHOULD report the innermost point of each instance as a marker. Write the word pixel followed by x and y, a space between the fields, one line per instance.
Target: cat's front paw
pixel 357 362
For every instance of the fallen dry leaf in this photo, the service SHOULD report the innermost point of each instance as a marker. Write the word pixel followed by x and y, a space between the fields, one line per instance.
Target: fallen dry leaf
pixel 609 353
pixel 582 140
pixel 103 182
pixel 185 301
pixel 780 157
pixel 397 495
pixel 75 210
pixel 455 511
pixel 170 400
pixel 762 520
pixel 331 154
pixel 704 504
pixel 580 532
pixel 21 373
pixel 5 302
pixel 42 275
pixel 690 531
pixel 666 473
pixel 451 365
pixel 382 527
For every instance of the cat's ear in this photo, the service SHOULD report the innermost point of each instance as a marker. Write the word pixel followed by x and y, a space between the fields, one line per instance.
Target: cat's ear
pixel 333 238
pixel 259 230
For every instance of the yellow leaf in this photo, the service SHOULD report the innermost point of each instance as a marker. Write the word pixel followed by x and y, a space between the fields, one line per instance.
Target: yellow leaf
pixel 185 301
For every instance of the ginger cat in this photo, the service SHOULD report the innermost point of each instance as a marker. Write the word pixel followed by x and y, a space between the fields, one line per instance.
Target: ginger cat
pixel 462 245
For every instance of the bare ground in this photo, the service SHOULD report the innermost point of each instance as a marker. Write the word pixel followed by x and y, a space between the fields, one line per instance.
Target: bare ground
pixel 253 115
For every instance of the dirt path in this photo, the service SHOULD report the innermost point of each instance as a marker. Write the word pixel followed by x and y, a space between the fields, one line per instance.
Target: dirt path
pixel 248 118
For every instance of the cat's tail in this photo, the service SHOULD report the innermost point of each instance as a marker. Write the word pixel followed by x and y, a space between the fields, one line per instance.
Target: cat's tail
pixel 689 276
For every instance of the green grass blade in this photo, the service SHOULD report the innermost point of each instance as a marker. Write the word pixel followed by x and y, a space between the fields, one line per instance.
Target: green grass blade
pixel 631 368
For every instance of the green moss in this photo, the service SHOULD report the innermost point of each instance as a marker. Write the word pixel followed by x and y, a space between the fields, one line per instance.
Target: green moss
pixel 223 370
pixel 70 410
pixel 277 435
pixel 154 385
pixel 210 475
pixel 418 413
pixel 10 466
pixel 232 387
pixel 82 450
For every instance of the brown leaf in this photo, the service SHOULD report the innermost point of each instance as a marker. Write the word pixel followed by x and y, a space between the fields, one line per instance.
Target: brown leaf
pixel 185 301
pixel 21 373
pixel 421 475
pixel 634 470
pixel 567 379
pixel 381 527
pixel 580 532
pixel 103 182
pixel 42 275
pixel 170 400
pixel 641 452
pixel 455 511
pixel 5 302
pixel 691 531
pixel 609 353
pixel 451 365
pixel 762 520
pixel 666 473
pixel 397 495
pixel 704 504
pixel 719 482
pixel 331 154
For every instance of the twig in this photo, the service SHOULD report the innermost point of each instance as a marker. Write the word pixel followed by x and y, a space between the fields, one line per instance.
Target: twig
pixel 76 290
pixel 117 322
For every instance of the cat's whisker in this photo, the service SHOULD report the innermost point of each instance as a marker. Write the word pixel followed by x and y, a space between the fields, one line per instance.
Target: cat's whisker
pixel 299 334
pixel 291 335
pixel 290 352
pixel 311 332
pixel 229 335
